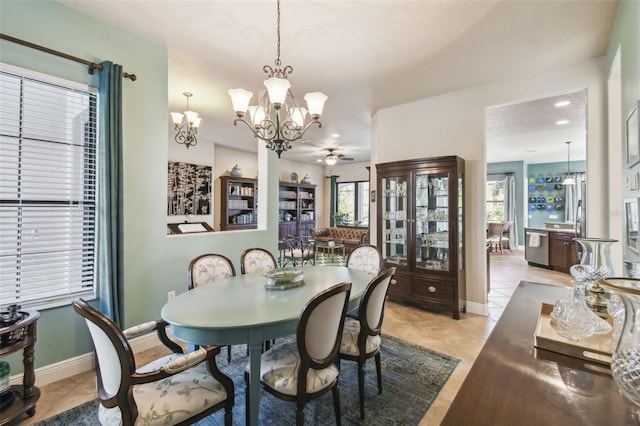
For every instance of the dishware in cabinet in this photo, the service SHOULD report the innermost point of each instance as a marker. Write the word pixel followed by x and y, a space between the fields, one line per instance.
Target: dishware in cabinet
pixel 420 230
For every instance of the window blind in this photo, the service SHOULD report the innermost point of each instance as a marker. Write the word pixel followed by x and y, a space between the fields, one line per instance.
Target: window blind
pixel 47 191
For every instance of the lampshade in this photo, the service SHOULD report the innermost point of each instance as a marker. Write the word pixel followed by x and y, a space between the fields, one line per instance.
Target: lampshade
pixel 240 99
pixel 315 103
pixel 297 116
pixel 176 117
pixel 277 88
pixel 568 181
pixel 257 114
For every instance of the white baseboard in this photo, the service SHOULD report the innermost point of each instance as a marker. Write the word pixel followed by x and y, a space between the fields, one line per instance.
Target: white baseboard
pixel 478 308
pixel 81 363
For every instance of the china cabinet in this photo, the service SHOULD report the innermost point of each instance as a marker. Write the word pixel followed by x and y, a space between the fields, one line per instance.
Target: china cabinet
pixel 239 203
pixel 421 230
pixel 297 209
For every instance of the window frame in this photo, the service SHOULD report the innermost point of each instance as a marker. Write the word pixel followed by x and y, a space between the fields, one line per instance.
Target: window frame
pixel 79 201
pixel 359 208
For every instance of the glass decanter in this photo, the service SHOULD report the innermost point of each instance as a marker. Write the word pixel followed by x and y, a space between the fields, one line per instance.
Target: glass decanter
pixel 573 316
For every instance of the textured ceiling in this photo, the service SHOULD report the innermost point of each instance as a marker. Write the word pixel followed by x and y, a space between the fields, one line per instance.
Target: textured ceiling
pixel 364 55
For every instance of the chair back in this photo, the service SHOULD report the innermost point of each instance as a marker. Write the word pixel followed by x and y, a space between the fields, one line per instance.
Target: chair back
pixel 371 310
pixel 494 230
pixel 296 251
pixel 506 229
pixel 319 330
pixel 256 260
pixel 208 268
pixel 365 258
pixel 114 357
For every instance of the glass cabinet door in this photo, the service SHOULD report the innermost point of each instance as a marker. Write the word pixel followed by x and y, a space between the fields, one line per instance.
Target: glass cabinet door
pixel 394 220
pixel 432 221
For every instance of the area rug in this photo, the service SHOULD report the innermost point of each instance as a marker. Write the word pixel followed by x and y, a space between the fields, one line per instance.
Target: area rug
pixel 412 377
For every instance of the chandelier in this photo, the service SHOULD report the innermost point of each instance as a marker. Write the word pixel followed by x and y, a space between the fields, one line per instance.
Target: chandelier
pixel 569 179
pixel 186 125
pixel 277 119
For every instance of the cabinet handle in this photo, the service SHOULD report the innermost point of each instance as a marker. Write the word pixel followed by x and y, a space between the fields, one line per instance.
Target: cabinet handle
pixel 431 289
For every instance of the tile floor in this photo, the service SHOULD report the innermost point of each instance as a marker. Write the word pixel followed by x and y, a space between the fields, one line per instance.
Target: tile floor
pixel 436 330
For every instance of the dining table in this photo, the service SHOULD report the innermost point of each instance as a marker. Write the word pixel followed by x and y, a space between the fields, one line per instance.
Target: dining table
pixel 241 309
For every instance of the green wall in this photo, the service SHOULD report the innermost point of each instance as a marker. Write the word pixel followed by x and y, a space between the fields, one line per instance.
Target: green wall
pixel 154 262
pixel 626 37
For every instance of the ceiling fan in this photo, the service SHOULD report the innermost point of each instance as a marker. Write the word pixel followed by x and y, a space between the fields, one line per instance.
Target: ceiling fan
pixel 332 158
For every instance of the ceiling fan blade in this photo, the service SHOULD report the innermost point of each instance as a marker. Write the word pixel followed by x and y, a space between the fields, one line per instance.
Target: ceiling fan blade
pixel 347 158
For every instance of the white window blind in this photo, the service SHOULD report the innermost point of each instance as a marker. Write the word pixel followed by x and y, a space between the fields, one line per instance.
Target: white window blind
pixel 47 191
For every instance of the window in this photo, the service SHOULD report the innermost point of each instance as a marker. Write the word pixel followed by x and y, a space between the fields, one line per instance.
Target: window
pixel 353 203
pixel 495 199
pixel 47 189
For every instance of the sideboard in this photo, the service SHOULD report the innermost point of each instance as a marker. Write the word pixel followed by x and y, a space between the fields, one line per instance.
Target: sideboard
pixel 513 383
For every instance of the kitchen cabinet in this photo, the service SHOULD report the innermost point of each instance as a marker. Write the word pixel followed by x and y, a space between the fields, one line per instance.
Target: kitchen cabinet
pixel 562 251
pixel 421 230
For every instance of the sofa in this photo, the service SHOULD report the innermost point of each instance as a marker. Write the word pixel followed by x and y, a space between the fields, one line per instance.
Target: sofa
pixel 349 236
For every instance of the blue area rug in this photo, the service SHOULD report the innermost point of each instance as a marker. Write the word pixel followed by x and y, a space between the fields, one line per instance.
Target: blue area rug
pixel 412 377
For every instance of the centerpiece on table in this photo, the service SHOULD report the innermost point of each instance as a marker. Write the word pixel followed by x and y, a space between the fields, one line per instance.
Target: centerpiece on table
pixel 283 278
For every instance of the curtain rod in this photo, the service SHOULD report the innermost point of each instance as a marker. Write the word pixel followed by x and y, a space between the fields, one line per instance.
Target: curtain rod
pixel 92 65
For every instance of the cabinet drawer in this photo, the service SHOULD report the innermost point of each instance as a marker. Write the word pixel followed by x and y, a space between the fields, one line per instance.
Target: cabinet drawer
pixel 431 289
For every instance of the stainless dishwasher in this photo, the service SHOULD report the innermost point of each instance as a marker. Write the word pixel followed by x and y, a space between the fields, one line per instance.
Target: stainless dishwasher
pixel 536 248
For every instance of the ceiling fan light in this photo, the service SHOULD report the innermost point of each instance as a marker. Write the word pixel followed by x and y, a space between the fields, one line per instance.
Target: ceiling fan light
pixel 331 160
pixel 315 103
pixel 240 99
pixel 278 89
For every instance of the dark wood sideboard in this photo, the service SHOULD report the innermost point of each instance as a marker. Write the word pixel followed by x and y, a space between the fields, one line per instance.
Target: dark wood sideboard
pixel 514 383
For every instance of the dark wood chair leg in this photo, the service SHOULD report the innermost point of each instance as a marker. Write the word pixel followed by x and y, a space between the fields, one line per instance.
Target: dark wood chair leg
pixel 300 414
pixel 229 353
pixel 336 404
pixel 379 372
pixel 361 386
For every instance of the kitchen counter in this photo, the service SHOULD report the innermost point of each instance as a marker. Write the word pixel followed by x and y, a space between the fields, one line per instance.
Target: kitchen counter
pixel 565 230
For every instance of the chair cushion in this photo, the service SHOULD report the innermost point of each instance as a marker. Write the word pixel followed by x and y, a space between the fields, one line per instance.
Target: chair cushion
pixel 279 370
pixel 171 400
pixel 349 343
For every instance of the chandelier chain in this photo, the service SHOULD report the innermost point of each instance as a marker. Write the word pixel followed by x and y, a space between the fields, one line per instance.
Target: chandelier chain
pixel 278 45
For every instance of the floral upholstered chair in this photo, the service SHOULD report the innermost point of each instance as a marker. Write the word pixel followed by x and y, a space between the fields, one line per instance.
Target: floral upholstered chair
pixel 207 268
pixel 361 336
pixel 308 366
pixel 175 389
pixel 365 258
pixel 256 260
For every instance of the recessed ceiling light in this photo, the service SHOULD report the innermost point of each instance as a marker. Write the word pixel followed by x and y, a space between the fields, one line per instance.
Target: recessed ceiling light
pixel 335 135
pixel 562 122
pixel 560 104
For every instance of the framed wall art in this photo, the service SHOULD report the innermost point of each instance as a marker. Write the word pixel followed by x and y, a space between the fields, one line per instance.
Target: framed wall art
pixel 632 137
pixel 631 224
pixel 188 189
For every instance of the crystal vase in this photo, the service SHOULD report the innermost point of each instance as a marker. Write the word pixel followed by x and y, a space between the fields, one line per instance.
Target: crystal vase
pixel 596 252
pixel 625 361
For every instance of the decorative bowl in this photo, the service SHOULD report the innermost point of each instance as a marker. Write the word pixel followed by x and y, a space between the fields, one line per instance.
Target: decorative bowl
pixel 283 278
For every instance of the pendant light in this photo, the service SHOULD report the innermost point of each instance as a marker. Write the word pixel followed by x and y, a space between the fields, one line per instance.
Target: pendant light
pixel 569 179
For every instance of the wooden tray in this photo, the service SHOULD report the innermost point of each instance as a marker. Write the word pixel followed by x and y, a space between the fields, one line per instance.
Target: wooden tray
pixel 596 348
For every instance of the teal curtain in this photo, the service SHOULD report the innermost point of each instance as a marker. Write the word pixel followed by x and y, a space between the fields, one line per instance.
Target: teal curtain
pixel 109 239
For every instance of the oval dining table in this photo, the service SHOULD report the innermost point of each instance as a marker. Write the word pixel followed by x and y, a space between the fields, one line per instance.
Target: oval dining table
pixel 241 310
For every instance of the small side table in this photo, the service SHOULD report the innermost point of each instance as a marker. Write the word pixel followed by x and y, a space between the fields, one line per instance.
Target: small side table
pixel 21 335
pixel 325 248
